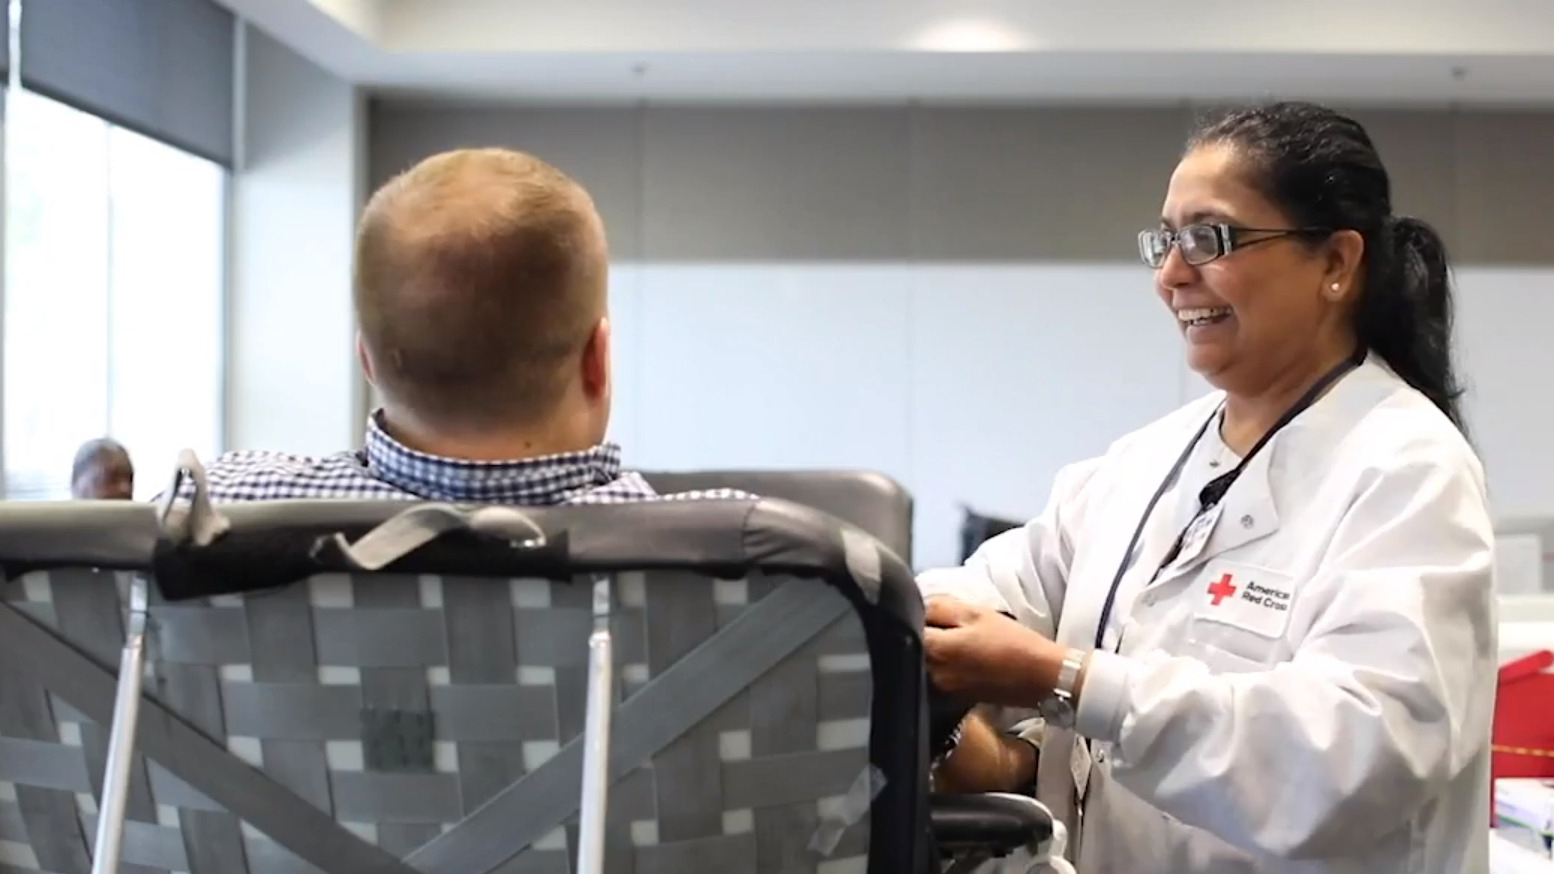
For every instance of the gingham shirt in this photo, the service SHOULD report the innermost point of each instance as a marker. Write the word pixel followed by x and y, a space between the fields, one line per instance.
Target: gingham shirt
pixel 388 469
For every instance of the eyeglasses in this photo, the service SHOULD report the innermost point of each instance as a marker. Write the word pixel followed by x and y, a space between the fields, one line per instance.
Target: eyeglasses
pixel 1202 243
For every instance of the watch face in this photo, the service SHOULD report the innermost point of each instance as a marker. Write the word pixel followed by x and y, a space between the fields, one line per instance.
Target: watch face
pixel 1056 712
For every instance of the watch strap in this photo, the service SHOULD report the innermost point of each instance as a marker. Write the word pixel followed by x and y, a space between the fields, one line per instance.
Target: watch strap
pixel 1068 676
pixel 951 741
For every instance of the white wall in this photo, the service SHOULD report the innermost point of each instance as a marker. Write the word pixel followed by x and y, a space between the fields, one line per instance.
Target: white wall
pixel 293 382
pixel 1506 343
pixel 968 383
pixel 974 383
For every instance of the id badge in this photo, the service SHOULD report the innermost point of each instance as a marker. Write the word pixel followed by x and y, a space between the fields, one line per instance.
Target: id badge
pixel 1079 767
pixel 1197 536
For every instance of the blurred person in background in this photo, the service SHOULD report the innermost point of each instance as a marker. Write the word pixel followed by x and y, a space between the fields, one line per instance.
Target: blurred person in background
pixel 102 471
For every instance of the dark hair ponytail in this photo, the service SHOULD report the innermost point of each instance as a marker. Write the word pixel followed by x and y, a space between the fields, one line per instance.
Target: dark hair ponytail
pixel 1406 311
pixel 1321 168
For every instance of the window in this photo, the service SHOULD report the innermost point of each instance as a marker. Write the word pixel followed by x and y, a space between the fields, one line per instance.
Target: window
pixel 114 275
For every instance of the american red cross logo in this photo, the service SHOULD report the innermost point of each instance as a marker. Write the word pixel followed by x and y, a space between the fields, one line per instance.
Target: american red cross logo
pixel 1221 589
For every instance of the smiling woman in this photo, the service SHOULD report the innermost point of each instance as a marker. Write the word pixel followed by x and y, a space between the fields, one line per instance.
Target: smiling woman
pixel 1313 559
pixel 1349 271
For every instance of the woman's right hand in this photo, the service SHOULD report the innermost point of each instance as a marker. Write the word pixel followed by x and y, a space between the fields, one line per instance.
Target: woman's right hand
pixel 983 655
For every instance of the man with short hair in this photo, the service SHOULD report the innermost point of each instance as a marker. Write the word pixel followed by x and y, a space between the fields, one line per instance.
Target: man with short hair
pixel 102 471
pixel 481 293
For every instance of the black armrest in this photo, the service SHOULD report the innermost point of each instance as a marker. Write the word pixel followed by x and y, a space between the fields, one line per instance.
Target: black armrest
pixel 994 823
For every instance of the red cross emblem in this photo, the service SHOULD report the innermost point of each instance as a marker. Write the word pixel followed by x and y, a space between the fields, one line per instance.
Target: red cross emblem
pixel 1221 589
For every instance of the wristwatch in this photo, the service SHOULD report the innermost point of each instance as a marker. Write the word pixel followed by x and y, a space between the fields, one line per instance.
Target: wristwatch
pixel 950 743
pixel 1058 708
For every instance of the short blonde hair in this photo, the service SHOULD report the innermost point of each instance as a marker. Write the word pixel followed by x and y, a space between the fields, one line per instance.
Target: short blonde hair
pixel 480 274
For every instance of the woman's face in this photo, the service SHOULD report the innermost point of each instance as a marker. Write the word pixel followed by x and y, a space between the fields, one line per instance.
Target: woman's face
pixel 1252 313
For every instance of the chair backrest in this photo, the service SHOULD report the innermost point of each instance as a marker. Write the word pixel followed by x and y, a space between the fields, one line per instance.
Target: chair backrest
pixel 302 715
pixel 872 501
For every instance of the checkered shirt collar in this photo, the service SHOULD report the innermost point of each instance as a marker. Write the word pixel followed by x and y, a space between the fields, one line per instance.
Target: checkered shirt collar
pixel 547 479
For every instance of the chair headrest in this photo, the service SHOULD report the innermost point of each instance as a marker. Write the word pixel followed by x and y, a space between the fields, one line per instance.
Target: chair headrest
pixel 976 529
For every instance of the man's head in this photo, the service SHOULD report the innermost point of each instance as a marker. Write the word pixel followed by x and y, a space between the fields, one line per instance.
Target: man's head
pixel 102 471
pixel 480 289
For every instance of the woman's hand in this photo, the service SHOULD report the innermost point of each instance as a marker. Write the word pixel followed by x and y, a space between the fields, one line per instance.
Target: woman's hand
pixel 985 656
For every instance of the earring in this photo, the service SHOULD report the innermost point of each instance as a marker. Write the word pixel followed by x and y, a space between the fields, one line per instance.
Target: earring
pixel 1333 290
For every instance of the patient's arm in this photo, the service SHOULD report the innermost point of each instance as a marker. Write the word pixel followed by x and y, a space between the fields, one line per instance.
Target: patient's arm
pixel 986 760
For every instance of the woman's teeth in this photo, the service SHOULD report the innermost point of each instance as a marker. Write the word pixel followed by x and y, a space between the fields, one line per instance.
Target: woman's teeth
pixel 1203 315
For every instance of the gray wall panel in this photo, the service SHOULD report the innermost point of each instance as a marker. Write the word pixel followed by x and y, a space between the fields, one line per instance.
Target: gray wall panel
pixel 601 148
pixel 1419 151
pixel 1055 185
pixel 1505 185
pixel 964 184
pixel 819 184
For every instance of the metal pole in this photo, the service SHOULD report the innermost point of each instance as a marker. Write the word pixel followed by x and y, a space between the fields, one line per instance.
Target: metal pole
pixel 596 736
pixel 121 742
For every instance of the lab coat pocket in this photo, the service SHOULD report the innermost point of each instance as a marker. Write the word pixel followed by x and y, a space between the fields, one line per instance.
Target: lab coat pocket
pixel 1223 661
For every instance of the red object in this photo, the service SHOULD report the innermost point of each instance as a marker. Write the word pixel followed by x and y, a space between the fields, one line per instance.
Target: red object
pixel 1524 719
pixel 1222 589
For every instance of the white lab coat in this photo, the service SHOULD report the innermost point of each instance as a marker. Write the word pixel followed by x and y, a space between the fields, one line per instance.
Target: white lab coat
pixel 1338 721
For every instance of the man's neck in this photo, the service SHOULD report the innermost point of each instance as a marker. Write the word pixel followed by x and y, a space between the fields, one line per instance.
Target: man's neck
pixel 515 444
pixel 1250 415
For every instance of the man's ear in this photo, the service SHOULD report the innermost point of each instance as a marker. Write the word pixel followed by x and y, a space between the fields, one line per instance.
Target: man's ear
pixel 596 360
pixel 365 359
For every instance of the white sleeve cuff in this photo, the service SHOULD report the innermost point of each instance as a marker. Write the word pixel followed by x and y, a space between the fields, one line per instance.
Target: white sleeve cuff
pixel 1103 698
pixel 1032 730
pixel 938 582
pixel 969 585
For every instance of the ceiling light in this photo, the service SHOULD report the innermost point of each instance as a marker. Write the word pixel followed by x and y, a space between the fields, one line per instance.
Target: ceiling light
pixel 971 35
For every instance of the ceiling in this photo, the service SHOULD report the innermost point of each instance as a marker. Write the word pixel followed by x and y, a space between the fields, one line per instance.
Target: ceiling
pixel 1436 52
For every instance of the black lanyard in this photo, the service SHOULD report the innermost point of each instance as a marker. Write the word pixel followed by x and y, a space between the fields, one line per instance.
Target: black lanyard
pixel 1211 494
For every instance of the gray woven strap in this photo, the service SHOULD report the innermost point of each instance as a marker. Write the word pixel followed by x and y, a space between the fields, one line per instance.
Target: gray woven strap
pixel 674 702
pixel 192 757
pixel 414 528
pixel 862 553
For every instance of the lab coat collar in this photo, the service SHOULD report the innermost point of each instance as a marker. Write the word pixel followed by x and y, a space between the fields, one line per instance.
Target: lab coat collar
pixel 1249 511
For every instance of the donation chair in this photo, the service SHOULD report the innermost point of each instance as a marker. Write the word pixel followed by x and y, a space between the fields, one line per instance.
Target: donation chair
pixel 406 689
pixel 968 830
pixel 976 529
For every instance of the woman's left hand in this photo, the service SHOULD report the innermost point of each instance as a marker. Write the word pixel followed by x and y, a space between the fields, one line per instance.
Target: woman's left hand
pixel 985 656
